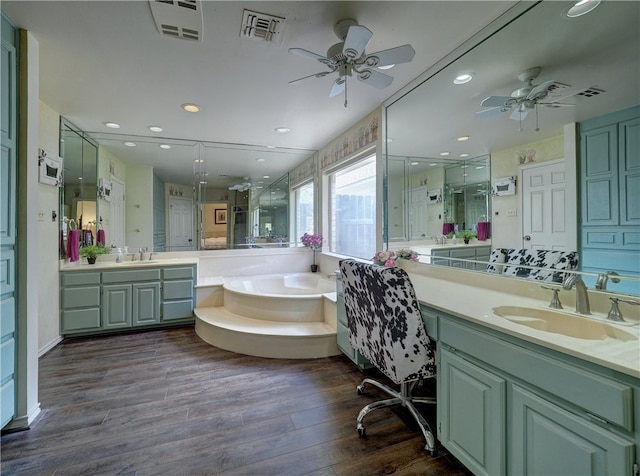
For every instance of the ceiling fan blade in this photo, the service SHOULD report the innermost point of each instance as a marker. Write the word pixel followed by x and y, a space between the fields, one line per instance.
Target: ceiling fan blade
pixel 397 55
pixel 494 111
pixel 309 54
pixel 375 78
pixel 540 91
pixel 519 114
pixel 356 41
pixel 316 75
pixel 498 101
pixel 337 88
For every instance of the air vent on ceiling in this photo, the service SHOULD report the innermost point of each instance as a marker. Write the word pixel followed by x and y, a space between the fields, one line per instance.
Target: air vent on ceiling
pixel 178 18
pixel 262 27
pixel 590 92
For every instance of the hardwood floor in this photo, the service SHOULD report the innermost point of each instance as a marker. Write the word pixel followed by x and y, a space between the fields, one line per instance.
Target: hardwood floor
pixel 164 402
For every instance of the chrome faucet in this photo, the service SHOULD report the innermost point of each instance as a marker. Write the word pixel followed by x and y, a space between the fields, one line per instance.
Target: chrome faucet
pixel 614 312
pixel 142 252
pixel 601 283
pixel 442 240
pixel 582 297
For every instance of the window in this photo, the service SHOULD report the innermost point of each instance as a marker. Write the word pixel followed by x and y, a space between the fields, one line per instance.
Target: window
pixel 352 222
pixel 303 203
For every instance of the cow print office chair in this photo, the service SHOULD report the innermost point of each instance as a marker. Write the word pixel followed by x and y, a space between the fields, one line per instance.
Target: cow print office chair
pixel 385 325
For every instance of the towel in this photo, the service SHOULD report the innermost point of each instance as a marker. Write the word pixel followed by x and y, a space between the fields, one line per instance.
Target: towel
pixel 73 245
pixel 484 230
pixel 447 228
pixel 101 238
pixel 87 238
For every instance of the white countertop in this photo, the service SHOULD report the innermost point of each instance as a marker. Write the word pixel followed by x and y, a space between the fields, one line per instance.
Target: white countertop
pixel 474 303
pixel 108 262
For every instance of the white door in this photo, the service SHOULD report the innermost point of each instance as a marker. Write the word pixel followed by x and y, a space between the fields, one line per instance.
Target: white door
pixel 545 224
pixel 116 214
pixel 180 224
pixel 418 213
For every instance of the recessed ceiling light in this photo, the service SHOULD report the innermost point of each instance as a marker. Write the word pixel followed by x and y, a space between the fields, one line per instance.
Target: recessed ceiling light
pixel 130 144
pixel 265 176
pixel 282 130
pixel 155 128
pixel 444 154
pixel 203 182
pixel 259 186
pixel 198 161
pixel 478 167
pixel 271 147
pixel 260 160
pixel 414 163
pixel 582 8
pixel 389 66
pixel 165 146
pixel 463 78
pixel 464 155
pixel 464 166
pixel 190 107
pixel 112 125
pixel 463 138
pixel 433 165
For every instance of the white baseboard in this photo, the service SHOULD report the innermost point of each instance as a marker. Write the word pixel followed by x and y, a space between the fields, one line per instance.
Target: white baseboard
pixel 23 422
pixel 49 346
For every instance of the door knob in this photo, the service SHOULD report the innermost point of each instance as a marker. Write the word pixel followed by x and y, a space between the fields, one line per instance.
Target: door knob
pixel 527 238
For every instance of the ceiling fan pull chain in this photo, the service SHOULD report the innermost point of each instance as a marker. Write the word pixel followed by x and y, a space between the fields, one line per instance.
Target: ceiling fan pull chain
pixel 345 92
pixel 537 128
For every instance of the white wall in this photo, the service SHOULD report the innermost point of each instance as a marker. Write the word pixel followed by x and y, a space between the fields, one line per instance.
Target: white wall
pixel 139 207
pixel 48 238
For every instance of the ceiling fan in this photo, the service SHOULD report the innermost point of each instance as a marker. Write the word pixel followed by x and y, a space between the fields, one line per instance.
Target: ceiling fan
pixel 348 56
pixel 523 99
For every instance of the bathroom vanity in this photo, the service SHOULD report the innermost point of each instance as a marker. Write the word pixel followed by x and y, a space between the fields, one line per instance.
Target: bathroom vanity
pixel 440 254
pixel 96 299
pixel 513 399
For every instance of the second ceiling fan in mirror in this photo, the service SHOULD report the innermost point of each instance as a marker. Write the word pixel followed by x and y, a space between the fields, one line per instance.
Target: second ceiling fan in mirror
pixel 528 97
pixel 349 56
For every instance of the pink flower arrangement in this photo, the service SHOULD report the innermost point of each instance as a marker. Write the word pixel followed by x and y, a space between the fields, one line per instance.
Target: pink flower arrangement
pixel 312 241
pixel 389 258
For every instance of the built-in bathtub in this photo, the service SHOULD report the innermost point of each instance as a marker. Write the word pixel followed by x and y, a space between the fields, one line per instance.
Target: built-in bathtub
pixel 278 297
pixel 275 315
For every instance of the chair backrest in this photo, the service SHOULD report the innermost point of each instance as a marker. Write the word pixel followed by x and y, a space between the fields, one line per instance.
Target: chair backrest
pixel 384 321
pixel 550 263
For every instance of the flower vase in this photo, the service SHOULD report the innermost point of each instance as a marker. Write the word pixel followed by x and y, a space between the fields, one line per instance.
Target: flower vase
pixel 91 260
pixel 314 268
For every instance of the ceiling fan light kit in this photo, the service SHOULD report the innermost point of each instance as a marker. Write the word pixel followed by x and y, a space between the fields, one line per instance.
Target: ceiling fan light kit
pixel 349 55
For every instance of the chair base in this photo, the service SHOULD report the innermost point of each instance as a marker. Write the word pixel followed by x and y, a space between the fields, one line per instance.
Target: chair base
pixel 403 398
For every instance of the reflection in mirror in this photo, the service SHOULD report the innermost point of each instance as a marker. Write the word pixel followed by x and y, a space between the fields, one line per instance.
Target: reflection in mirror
pixel 438 118
pixel 270 214
pixel 466 196
pixel 78 195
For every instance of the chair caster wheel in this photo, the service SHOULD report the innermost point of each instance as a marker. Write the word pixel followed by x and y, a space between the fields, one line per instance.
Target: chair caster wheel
pixel 433 453
pixel 360 389
pixel 361 430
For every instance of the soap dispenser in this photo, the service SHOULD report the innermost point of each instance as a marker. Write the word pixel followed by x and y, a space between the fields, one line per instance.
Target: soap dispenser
pixel 119 256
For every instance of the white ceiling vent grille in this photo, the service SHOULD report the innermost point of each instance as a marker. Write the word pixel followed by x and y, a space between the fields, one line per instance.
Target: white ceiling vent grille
pixel 262 27
pixel 178 18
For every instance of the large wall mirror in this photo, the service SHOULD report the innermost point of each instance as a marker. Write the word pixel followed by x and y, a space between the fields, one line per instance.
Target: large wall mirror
pixel 144 186
pixel 442 122
pixel 78 195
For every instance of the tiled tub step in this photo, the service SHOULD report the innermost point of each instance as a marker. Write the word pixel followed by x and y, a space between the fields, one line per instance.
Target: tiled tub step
pixel 283 340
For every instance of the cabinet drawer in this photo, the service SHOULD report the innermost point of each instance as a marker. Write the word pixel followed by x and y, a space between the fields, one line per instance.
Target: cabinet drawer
pixel 75 279
pixel 177 309
pixel 130 275
pixel 463 253
pixel 80 319
pixel 81 296
pixel 430 320
pixel 606 398
pixel 177 273
pixel 177 289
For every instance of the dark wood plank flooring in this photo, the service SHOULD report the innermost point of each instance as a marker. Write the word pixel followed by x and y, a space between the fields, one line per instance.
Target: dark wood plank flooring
pixel 164 402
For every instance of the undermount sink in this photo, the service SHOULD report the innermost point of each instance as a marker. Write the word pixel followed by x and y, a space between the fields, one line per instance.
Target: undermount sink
pixel 555 322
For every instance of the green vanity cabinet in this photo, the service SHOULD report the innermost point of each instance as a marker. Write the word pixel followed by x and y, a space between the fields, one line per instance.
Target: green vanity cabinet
pixel 177 292
pixel 507 406
pixel 99 302
pixel 471 252
pixel 80 302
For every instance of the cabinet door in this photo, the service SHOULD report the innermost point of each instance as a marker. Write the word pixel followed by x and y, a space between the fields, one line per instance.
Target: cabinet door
pixel 116 306
pixel 145 304
pixel 548 440
pixel 471 414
